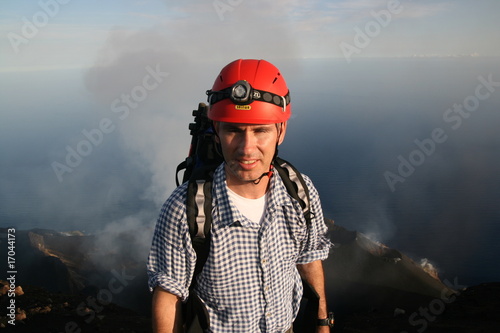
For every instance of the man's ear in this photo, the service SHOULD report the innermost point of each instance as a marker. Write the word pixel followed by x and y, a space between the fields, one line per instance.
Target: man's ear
pixel 282 132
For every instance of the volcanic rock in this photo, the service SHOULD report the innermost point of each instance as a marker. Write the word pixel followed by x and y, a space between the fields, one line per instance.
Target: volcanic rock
pixel 98 283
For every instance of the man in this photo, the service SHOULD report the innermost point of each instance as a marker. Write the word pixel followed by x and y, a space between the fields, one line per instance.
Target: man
pixel 260 244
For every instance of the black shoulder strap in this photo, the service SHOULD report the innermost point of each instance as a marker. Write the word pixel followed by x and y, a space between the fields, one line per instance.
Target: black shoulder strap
pixel 182 166
pixel 297 188
pixel 199 218
pixel 295 185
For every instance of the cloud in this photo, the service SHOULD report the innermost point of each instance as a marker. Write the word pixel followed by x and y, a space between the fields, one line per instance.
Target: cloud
pixel 356 5
pixel 360 9
pixel 472 55
pixel 191 49
pixel 152 123
pixel 128 238
pixel 420 10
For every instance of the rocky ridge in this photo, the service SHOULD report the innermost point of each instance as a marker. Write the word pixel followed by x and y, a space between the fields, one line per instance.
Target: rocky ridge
pixel 74 283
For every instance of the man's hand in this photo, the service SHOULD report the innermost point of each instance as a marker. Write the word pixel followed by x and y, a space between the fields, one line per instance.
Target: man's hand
pixel 323 329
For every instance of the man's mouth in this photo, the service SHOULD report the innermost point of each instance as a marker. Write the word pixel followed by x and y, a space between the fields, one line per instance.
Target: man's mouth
pixel 248 162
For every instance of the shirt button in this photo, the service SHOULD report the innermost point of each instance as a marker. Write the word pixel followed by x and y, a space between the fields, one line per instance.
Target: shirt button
pixel 264 261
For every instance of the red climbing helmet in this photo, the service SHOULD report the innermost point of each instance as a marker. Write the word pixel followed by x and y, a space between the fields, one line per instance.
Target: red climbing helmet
pixel 251 92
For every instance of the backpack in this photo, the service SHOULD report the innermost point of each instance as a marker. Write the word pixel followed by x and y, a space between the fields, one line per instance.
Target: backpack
pixel 199 167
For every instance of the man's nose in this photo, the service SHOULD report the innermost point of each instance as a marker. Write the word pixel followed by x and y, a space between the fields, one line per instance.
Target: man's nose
pixel 247 142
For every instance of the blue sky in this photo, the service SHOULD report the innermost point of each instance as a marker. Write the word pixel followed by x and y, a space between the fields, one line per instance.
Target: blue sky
pixel 77 31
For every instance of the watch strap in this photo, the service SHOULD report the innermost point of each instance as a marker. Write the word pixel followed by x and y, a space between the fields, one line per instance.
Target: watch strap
pixel 329 321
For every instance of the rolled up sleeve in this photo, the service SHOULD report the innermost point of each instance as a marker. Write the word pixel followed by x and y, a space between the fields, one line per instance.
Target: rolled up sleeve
pixel 172 258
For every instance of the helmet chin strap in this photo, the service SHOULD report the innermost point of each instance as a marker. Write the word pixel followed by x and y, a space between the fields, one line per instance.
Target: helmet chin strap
pixel 269 174
pixel 271 167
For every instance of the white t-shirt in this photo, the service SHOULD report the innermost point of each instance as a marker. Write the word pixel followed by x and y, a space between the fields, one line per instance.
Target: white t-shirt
pixel 252 209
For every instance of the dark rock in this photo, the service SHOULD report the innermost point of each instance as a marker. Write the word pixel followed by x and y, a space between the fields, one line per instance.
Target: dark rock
pixel 57 312
pixel 99 284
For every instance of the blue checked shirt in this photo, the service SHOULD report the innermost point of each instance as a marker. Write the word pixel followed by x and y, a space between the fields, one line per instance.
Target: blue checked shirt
pixel 250 282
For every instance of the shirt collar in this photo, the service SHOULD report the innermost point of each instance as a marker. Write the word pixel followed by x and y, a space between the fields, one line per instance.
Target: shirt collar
pixel 227 212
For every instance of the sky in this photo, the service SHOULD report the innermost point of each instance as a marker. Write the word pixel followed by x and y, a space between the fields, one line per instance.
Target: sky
pixel 74 34
pixel 95 96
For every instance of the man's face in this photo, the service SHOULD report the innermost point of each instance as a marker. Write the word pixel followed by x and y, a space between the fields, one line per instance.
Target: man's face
pixel 248 149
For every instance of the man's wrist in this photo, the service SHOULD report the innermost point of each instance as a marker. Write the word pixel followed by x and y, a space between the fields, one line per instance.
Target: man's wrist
pixel 328 321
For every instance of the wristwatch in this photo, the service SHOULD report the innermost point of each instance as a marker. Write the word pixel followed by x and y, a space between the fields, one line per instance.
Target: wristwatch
pixel 328 321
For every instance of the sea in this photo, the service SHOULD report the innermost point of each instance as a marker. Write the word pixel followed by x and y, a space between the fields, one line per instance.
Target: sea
pixel 407 151
pixel 404 150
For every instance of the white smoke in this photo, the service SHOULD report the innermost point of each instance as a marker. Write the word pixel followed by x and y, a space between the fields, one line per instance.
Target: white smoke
pixel 429 267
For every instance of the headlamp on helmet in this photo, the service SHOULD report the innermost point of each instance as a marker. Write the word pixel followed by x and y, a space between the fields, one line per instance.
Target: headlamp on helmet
pixel 242 93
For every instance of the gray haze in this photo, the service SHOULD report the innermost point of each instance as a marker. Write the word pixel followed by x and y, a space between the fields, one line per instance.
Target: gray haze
pixel 349 126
